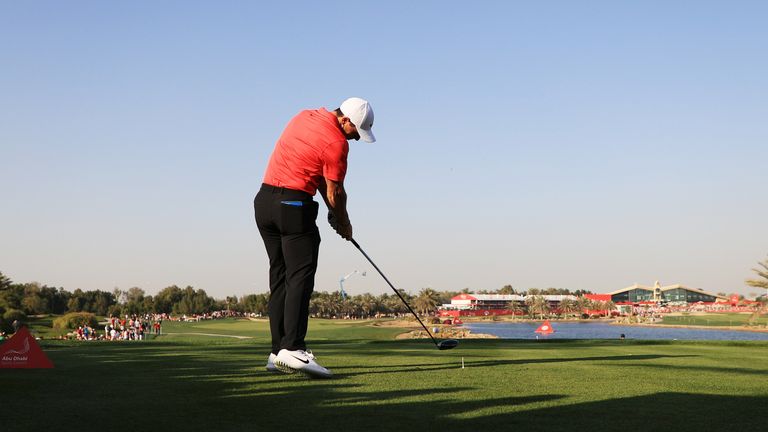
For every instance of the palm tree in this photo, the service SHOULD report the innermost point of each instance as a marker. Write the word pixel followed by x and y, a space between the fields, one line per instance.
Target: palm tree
pixel 368 304
pixel 507 289
pixel 537 304
pixel 514 307
pixel 568 306
pixel 348 307
pixel 529 306
pixel 584 304
pixel 427 301
pixel 607 306
pixel 327 305
pixel 383 304
pixel 316 304
pixel 5 282
pixel 762 282
pixel 542 305
pixel 396 306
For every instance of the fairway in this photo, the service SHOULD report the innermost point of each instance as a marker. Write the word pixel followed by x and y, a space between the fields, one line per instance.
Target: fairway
pixel 715 319
pixel 190 382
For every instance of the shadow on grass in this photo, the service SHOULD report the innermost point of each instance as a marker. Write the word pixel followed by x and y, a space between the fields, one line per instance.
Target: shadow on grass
pixel 496 363
pixel 655 412
pixel 190 387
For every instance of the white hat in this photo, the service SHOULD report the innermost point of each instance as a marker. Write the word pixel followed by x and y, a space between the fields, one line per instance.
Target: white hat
pixel 359 111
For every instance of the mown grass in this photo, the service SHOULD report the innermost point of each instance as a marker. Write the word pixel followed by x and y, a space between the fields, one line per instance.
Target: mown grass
pixel 190 382
pixel 715 319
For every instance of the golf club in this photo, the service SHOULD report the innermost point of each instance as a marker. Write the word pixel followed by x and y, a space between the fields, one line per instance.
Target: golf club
pixel 443 345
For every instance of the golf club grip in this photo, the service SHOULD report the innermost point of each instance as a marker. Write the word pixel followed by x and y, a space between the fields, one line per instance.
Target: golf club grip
pixel 393 289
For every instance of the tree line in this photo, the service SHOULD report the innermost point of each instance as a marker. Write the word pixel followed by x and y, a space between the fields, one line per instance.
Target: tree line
pixel 35 299
pixel 17 300
pixel 23 299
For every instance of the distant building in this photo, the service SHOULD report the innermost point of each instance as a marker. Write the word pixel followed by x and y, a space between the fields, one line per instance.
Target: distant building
pixel 484 301
pixel 493 304
pixel 642 294
pixel 499 304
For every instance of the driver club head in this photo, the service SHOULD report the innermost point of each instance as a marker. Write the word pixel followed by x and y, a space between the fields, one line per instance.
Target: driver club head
pixel 447 344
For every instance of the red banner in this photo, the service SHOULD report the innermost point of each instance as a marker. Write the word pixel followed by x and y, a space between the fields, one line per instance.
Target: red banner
pixel 22 351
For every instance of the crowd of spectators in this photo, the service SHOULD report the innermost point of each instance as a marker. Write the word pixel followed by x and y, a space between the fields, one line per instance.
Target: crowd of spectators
pixel 659 310
pixel 138 327
pixel 130 327
pixel 652 313
pixel 214 315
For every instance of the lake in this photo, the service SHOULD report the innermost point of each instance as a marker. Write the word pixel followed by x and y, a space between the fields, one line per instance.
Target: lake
pixel 602 330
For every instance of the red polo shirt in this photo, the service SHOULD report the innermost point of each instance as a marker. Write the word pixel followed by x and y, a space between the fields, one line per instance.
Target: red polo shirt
pixel 311 146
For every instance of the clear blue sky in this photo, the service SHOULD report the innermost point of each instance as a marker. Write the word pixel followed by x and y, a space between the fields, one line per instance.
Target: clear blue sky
pixel 582 145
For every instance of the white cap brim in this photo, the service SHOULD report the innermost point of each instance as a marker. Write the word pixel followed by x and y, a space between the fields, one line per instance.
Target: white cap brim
pixel 366 135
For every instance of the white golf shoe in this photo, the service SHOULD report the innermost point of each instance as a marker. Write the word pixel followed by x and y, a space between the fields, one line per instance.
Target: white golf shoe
pixel 271 364
pixel 301 361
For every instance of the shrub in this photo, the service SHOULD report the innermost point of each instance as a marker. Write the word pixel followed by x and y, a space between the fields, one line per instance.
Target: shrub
pixel 74 320
pixel 9 317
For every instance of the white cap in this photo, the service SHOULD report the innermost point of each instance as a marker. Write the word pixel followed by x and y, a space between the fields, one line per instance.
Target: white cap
pixel 359 111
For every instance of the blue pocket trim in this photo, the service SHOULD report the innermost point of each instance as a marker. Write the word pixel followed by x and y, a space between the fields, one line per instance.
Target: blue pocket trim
pixel 292 203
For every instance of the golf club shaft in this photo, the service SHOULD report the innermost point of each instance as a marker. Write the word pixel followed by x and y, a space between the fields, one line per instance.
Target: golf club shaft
pixel 394 289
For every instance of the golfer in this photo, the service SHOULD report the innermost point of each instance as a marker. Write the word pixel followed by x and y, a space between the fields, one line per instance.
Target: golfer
pixel 310 155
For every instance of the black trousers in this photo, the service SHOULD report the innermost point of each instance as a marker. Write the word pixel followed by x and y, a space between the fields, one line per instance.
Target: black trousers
pixel 286 220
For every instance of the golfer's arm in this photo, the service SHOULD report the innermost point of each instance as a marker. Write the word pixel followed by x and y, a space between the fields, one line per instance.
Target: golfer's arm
pixel 335 198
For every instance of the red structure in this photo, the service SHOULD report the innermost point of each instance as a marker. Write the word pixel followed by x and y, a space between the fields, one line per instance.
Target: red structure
pixel 545 328
pixel 479 305
pixel 22 351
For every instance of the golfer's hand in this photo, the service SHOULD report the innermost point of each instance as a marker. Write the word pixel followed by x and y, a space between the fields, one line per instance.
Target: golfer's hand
pixel 344 231
pixel 332 221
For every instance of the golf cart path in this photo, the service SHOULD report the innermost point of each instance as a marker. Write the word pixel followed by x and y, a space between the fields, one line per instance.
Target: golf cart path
pixel 210 334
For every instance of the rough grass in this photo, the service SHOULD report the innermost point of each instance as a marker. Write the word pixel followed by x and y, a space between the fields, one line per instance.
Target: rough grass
pixel 188 382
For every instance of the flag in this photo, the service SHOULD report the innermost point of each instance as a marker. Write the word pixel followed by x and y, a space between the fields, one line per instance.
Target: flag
pixel 22 351
pixel 545 328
